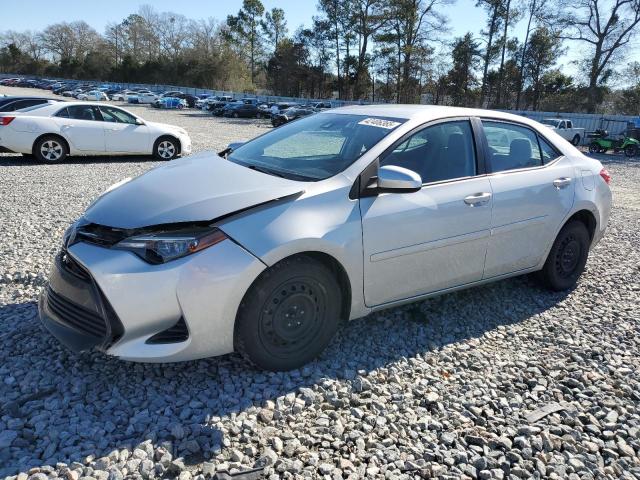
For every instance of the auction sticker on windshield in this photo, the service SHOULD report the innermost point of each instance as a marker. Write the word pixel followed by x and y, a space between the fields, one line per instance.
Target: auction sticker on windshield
pixel 379 122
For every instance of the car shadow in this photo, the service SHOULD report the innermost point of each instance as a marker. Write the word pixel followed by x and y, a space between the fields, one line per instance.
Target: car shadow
pixel 55 398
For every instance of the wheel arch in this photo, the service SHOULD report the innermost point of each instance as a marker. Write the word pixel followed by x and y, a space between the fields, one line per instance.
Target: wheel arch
pixel 587 218
pixel 335 267
pixel 167 135
pixel 57 135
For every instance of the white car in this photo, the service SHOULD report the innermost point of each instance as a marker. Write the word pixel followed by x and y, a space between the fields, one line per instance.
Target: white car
pixel 52 132
pixel 201 102
pixel 142 97
pixel 94 95
pixel 327 218
pixel 121 96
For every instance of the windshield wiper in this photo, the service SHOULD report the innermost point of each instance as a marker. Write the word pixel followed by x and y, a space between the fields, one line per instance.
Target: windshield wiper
pixel 265 170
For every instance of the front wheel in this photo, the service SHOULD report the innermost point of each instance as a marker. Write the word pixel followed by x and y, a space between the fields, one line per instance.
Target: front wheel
pixel 289 315
pixel 165 148
pixel 631 150
pixel 50 149
pixel 567 258
pixel 594 148
pixel 235 115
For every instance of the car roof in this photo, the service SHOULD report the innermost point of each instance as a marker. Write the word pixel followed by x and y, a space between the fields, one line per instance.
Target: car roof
pixel 54 107
pixel 425 113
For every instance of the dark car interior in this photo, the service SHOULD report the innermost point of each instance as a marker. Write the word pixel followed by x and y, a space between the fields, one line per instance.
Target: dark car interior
pixel 437 153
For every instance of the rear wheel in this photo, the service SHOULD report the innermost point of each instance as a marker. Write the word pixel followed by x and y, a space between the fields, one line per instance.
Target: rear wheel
pixel 631 150
pixel 166 148
pixel 289 315
pixel 235 115
pixel 567 258
pixel 576 140
pixel 50 149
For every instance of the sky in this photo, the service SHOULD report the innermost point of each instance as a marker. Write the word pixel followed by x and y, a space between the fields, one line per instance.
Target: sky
pixel 37 14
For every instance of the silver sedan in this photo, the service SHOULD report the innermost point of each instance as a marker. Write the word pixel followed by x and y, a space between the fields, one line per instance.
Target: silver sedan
pixel 264 248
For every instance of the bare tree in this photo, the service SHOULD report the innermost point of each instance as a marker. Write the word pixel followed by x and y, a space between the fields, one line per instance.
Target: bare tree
pixel 607 31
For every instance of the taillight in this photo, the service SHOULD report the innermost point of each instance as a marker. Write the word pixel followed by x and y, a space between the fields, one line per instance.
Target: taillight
pixel 6 121
pixel 606 176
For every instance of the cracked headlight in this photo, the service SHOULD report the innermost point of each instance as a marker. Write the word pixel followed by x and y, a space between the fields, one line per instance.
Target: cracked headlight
pixel 163 247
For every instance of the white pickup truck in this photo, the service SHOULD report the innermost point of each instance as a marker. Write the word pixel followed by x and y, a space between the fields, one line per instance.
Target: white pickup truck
pixel 565 129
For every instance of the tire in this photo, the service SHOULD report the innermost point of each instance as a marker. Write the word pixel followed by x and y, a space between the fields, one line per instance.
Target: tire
pixel 289 315
pixel 576 140
pixel 166 148
pixel 594 148
pixel 630 151
pixel 567 258
pixel 235 115
pixel 50 149
pixel 258 115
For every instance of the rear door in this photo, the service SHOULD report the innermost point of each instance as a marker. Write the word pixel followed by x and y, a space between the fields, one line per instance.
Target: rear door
pixel 533 190
pixel 435 238
pixel 83 127
pixel 122 133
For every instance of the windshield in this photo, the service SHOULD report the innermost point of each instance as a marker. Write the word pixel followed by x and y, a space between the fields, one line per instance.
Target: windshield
pixel 553 123
pixel 315 147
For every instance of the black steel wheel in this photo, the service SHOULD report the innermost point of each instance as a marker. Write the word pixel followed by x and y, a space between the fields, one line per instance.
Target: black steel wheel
pixel 567 258
pixel 289 315
pixel 594 148
pixel 630 150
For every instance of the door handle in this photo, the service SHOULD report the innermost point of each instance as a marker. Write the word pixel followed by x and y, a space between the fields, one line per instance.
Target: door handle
pixel 561 182
pixel 478 199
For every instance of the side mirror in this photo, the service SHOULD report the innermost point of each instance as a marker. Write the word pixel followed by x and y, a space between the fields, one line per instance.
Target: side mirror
pixel 394 179
pixel 139 121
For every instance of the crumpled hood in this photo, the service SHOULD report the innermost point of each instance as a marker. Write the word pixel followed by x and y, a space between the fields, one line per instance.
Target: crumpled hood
pixel 200 187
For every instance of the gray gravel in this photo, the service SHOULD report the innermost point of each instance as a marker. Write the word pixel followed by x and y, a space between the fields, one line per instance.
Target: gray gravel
pixel 501 381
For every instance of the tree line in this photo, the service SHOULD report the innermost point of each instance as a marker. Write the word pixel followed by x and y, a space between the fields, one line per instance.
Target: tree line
pixel 374 50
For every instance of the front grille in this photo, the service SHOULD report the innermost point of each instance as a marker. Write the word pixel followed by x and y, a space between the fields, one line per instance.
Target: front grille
pixel 76 316
pixel 71 266
pixel 100 235
pixel 175 334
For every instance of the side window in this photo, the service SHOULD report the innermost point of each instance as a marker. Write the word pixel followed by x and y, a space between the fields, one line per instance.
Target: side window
pixel 441 152
pixel 549 154
pixel 12 107
pixel 82 112
pixel 110 114
pixel 511 146
pixel 64 113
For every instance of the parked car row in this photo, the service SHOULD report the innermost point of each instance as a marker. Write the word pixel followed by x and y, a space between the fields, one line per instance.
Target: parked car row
pixel 217 105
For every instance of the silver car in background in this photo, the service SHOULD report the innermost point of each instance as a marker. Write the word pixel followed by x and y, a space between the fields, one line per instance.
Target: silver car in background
pixel 263 250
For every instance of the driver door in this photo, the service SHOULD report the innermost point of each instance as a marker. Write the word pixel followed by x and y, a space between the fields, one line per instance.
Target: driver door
pixel 122 133
pixel 435 238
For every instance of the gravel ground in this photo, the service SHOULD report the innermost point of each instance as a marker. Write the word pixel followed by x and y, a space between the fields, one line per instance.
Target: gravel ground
pixel 501 381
